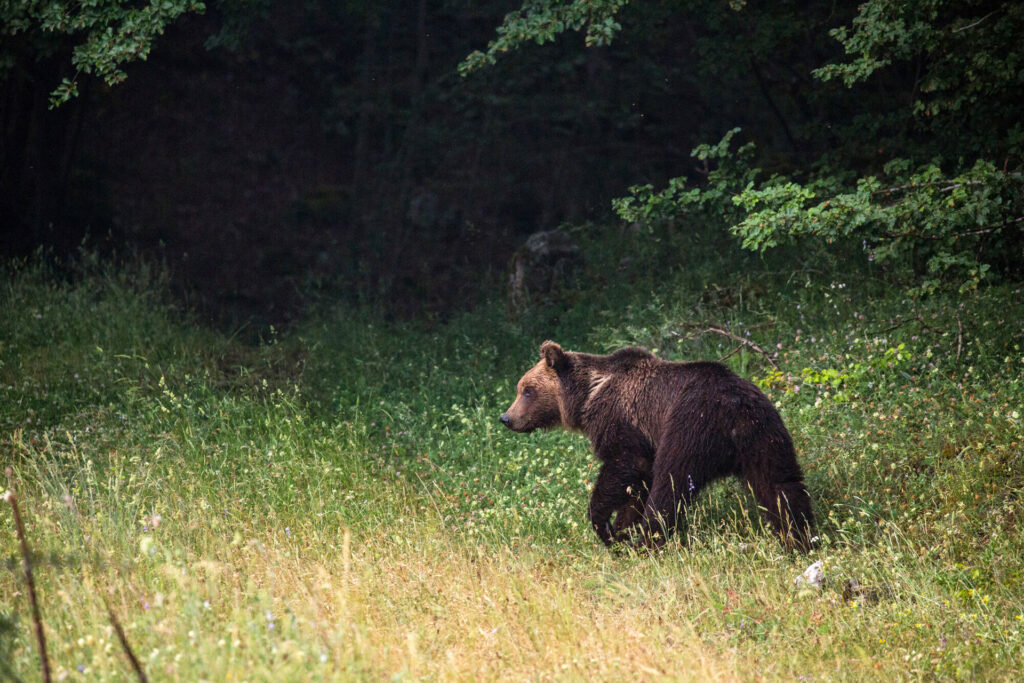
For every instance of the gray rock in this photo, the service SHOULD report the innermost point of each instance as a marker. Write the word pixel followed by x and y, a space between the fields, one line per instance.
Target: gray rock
pixel 548 261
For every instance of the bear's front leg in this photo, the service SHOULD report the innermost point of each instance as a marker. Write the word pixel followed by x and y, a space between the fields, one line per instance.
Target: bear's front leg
pixel 611 493
pixel 632 513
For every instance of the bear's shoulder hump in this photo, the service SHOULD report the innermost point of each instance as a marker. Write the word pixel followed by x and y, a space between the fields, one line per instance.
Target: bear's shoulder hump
pixel 630 353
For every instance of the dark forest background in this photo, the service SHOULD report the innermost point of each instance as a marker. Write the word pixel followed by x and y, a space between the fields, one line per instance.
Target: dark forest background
pixel 268 151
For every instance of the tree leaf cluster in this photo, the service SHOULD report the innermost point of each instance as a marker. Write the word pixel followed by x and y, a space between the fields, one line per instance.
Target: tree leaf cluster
pixel 917 156
pixel 540 21
pixel 106 34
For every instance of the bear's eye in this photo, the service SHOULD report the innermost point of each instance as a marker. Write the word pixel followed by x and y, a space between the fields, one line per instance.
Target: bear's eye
pixel 528 392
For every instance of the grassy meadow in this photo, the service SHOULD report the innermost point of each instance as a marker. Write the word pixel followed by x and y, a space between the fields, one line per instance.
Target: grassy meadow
pixel 338 500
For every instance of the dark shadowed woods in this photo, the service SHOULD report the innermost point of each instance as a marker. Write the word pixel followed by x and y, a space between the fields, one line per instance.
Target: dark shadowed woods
pixel 267 150
pixel 272 151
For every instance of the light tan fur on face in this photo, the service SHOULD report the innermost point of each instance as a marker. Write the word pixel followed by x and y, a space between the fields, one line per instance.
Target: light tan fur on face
pixel 536 405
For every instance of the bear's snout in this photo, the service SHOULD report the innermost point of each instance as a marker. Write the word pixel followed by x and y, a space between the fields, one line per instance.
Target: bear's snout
pixel 517 424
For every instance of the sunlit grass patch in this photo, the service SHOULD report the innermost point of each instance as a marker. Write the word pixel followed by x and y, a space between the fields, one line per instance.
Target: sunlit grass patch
pixel 341 501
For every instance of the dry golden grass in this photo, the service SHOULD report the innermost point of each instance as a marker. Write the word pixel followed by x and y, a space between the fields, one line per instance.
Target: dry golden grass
pixel 421 606
pixel 419 602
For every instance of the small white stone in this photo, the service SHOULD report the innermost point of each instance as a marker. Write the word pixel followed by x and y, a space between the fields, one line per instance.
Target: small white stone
pixel 812 576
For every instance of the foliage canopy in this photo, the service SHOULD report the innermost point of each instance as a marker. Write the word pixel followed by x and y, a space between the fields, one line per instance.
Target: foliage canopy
pixel 105 34
pixel 917 158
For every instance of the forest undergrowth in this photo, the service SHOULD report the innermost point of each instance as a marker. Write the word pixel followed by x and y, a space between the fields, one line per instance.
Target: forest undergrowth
pixel 340 501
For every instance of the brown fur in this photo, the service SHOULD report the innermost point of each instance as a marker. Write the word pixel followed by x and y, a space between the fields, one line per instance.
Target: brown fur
pixel 662 431
pixel 537 403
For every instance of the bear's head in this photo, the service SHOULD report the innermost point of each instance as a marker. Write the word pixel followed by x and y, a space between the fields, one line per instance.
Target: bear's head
pixel 537 401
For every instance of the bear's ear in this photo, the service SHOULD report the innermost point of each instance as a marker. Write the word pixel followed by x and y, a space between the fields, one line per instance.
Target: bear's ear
pixel 552 354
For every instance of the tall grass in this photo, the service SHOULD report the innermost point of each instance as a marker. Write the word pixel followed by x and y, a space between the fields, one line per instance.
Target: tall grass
pixel 340 501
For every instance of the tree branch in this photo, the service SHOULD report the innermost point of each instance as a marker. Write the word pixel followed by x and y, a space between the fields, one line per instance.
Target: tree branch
pixel 742 342
pixel 973 24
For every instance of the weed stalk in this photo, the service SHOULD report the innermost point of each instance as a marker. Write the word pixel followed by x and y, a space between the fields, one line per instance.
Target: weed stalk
pixel 37 618
pixel 136 666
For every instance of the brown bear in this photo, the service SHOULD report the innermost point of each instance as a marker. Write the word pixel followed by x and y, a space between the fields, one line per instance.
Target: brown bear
pixel 662 431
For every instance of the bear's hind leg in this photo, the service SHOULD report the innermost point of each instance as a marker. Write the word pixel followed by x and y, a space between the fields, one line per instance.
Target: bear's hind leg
pixel 787 507
pixel 675 482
